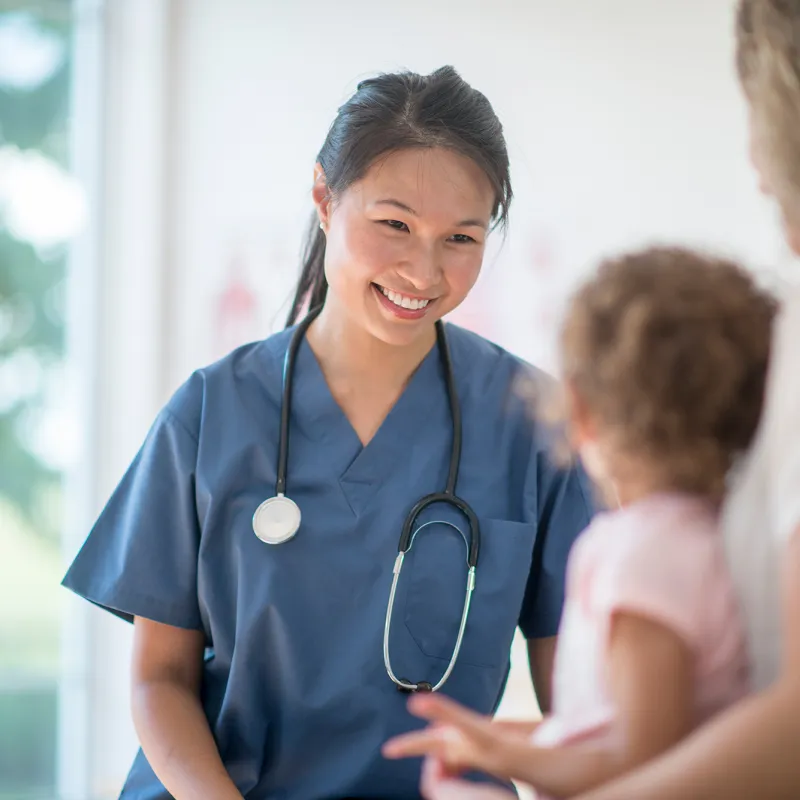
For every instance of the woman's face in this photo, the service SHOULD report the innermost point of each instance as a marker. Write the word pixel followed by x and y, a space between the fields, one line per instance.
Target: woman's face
pixel 405 244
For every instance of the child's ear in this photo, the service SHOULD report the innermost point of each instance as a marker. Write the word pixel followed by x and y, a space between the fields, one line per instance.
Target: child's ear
pixel 581 425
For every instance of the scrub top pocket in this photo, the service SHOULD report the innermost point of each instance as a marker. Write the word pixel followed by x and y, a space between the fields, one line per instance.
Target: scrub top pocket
pixel 435 573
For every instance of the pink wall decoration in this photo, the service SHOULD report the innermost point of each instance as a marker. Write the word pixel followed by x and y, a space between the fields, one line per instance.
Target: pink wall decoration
pixel 237 313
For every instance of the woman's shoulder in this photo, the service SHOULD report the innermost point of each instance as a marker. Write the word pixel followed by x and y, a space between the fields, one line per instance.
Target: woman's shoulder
pixel 486 363
pixel 495 383
pixel 217 387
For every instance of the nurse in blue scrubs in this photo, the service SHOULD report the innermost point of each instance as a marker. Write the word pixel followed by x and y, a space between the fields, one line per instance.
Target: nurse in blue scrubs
pixel 259 668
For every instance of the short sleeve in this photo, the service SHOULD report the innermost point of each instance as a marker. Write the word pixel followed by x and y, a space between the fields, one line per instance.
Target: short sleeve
pixel 656 578
pixel 140 558
pixel 562 506
pixel 782 418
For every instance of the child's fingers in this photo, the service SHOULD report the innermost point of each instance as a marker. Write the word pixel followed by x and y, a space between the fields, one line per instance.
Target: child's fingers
pixel 455 789
pixel 445 790
pixel 441 783
pixel 448 789
pixel 436 707
pixel 489 742
pixel 444 743
pixel 523 729
pixel 434 771
pixel 438 782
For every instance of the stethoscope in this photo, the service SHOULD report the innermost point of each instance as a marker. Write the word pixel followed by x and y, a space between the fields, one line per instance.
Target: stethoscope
pixel 278 518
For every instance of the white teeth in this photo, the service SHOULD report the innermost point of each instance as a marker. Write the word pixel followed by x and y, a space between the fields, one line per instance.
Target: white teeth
pixel 404 302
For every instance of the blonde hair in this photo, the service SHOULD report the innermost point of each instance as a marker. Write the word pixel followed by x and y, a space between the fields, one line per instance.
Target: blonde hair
pixel 768 63
pixel 667 351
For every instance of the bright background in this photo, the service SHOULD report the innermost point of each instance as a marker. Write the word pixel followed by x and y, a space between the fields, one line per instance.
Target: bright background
pixel 155 166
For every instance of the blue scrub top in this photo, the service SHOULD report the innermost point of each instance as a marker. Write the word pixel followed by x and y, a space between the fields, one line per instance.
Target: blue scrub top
pixel 294 685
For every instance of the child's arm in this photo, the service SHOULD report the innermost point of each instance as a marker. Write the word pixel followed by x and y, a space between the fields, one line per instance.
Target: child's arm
pixel 748 751
pixel 651 673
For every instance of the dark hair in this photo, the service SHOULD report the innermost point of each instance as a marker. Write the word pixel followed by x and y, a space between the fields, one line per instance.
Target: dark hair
pixel 394 112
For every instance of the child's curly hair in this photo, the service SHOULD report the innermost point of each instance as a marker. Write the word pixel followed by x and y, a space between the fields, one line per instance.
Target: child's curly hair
pixel 668 352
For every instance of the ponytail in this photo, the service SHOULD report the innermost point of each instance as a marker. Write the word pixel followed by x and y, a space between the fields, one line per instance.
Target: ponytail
pixel 312 286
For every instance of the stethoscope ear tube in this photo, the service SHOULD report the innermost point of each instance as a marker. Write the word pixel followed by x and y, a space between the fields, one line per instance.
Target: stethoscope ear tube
pixel 423 686
pixel 286 400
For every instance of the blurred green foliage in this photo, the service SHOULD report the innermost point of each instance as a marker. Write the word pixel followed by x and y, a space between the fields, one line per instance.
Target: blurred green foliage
pixel 31 282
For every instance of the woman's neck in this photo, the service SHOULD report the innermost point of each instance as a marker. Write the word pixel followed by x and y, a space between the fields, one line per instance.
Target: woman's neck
pixel 350 355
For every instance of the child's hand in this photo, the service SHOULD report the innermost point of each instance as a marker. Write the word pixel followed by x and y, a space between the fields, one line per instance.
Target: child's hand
pixel 439 784
pixel 524 729
pixel 460 739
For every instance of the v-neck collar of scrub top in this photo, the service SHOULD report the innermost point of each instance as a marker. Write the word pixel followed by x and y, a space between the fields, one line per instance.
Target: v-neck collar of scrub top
pixel 320 418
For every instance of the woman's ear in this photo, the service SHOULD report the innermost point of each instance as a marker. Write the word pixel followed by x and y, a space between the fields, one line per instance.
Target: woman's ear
pixel 321 196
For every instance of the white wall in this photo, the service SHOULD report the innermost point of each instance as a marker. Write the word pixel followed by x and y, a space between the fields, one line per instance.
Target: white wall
pixel 623 120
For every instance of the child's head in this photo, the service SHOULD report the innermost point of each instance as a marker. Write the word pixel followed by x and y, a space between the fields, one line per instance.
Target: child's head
pixel 664 356
pixel 768 62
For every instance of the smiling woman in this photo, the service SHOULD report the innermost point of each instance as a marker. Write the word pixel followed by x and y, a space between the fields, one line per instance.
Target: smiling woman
pixel 419 253
pixel 383 404
pixel 434 131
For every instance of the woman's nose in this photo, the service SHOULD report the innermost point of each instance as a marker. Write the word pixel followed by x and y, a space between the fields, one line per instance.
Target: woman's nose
pixel 422 269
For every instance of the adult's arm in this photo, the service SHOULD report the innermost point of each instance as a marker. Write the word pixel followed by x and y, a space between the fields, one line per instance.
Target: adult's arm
pixel 167 714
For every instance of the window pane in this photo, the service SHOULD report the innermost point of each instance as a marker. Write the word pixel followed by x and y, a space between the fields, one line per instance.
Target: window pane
pixel 40 209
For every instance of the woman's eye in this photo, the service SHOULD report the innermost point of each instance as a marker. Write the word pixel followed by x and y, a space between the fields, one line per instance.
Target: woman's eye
pixel 396 224
pixel 462 238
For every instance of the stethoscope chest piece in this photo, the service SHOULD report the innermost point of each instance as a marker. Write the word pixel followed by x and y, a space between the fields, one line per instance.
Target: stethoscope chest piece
pixel 276 520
